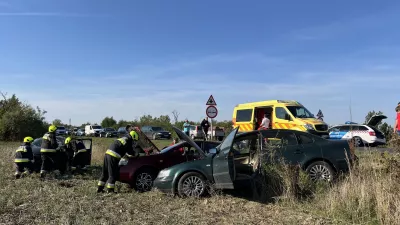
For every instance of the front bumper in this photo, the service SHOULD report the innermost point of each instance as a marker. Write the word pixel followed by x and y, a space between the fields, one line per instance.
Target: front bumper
pixel 164 184
pixel 318 133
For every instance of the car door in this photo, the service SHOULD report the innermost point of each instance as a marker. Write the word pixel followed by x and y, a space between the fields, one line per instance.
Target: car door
pixel 282 145
pixel 282 116
pixel 223 163
pixel 88 146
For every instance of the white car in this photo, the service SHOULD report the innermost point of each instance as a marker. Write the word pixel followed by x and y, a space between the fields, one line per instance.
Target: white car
pixel 362 134
pixel 93 130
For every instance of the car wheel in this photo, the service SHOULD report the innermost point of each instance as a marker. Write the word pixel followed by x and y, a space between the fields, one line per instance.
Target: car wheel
pixel 358 142
pixel 320 171
pixel 143 180
pixel 191 184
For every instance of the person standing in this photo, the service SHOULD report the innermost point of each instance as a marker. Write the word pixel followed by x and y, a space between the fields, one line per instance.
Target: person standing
pixel 48 151
pixel 265 122
pixel 24 158
pixel 186 128
pixel 118 149
pixel 205 125
pixel 396 128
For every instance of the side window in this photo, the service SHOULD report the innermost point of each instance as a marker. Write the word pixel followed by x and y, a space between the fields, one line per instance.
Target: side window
pixel 244 115
pixel 305 139
pixel 281 138
pixel 245 145
pixel 344 128
pixel 334 129
pixel 354 128
pixel 362 128
pixel 281 113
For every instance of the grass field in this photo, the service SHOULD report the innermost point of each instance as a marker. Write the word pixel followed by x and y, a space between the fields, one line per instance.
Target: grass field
pixel 370 195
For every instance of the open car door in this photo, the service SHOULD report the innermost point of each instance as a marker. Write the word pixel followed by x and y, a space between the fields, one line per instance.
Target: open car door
pixel 145 145
pixel 223 163
pixel 88 142
pixel 375 119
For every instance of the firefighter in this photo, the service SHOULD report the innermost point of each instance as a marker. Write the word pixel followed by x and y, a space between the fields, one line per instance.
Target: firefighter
pixel 24 158
pixel 80 156
pixel 48 151
pixel 119 148
pixel 70 150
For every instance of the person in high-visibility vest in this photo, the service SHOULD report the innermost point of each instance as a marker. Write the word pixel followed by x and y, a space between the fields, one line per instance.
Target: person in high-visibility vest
pixel 118 149
pixel 24 158
pixel 48 151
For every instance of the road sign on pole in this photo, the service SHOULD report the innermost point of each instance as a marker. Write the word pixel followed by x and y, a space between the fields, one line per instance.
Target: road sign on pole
pixel 211 101
pixel 211 111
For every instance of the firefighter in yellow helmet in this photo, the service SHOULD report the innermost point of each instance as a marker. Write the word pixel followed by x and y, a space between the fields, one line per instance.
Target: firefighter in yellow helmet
pixel 70 149
pixel 48 151
pixel 77 153
pixel 24 158
pixel 118 149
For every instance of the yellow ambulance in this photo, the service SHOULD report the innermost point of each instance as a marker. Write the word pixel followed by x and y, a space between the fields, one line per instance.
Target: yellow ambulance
pixel 283 114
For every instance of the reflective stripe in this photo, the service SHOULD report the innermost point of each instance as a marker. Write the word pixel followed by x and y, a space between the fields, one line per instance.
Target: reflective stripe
pixel 47 150
pixel 110 185
pixel 101 183
pixel 122 140
pixel 82 150
pixel 21 160
pixel 112 153
pixel 46 136
pixel 21 149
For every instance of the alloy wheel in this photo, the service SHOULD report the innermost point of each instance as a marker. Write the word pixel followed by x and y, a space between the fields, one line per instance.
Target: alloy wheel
pixel 320 172
pixel 144 182
pixel 193 186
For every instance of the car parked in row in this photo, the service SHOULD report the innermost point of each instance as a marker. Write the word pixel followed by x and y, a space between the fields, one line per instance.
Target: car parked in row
pixel 140 172
pixel 154 132
pixel 361 134
pixel 238 158
pixel 61 130
pixel 108 132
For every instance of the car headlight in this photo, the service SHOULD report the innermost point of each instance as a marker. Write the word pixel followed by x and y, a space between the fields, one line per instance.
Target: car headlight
pixel 164 173
pixel 309 127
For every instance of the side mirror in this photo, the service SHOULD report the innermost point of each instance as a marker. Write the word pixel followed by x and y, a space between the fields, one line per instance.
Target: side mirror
pixel 287 117
pixel 213 151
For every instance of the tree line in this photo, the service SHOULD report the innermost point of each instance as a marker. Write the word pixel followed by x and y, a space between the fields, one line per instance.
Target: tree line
pixel 19 119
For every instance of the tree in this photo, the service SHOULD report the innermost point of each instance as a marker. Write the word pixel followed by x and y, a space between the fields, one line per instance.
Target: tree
pixel 372 113
pixel 108 122
pixel 176 116
pixel 18 120
pixel 57 122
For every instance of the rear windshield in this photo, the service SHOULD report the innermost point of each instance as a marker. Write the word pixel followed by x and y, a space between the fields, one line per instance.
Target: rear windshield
pixel 96 127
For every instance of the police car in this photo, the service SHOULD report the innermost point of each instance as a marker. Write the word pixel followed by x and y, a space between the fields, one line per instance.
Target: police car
pixel 362 134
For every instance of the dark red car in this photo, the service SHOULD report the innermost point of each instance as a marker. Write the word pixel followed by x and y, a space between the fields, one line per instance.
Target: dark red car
pixel 140 172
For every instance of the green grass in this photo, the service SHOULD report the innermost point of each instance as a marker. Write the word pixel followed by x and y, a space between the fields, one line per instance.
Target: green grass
pixel 361 198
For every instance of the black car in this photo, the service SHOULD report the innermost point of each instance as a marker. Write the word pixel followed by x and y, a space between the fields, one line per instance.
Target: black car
pixel 155 133
pixel 108 132
pixel 36 145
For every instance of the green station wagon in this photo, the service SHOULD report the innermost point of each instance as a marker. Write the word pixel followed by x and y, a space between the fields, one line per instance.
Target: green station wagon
pixel 235 160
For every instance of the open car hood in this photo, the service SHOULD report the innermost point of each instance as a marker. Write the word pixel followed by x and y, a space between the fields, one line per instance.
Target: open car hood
pixel 375 119
pixel 186 138
pixel 145 143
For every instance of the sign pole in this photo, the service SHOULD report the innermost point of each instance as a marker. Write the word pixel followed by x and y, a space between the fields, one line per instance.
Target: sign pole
pixel 211 112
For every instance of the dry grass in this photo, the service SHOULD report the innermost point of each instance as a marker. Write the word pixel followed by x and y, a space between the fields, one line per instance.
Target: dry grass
pixel 74 201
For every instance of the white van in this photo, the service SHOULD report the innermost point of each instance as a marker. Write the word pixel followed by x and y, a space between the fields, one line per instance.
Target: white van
pixel 93 130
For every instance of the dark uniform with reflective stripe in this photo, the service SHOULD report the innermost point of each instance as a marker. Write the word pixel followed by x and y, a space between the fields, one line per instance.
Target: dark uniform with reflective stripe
pixel 80 155
pixel 48 152
pixel 119 148
pixel 23 159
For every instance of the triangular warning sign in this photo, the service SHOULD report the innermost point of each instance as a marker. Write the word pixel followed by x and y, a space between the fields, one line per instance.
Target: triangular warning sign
pixel 211 101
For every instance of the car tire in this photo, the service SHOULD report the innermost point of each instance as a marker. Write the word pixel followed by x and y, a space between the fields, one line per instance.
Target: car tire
pixel 358 142
pixel 320 170
pixel 192 184
pixel 143 180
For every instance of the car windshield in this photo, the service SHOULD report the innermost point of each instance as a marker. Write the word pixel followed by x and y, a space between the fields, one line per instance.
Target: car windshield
pixel 60 128
pixel 96 127
pixel 300 112
pixel 157 129
pixel 109 129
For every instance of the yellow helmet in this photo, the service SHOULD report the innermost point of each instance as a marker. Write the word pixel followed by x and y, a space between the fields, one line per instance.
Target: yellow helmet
pixel 52 128
pixel 67 140
pixel 134 135
pixel 28 139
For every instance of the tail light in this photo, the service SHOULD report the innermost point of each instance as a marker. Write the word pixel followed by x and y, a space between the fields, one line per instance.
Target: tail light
pixel 197 128
pixel 371 133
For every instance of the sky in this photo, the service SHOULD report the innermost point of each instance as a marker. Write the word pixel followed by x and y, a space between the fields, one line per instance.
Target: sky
pixel 87 59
